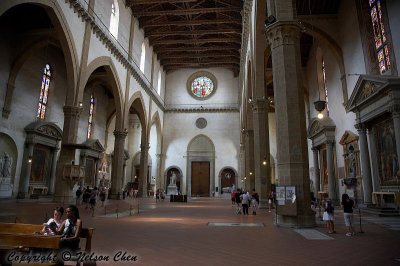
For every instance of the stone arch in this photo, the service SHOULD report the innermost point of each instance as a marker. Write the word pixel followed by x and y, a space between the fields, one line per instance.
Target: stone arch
pixel 156 120
pixel 220 176
pixel 334 48
pixel 201 149
pixel 56 15
pixel 106 62
pixel 8 145
pixel 137 103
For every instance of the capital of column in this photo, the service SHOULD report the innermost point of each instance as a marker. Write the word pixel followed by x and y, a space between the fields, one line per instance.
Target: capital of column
pixel 330 142
pixel 120 134
pixel 315 149
pixel 258 106
pixel 72 111
pixel 160 155
pixel 361 127
pixel 283 32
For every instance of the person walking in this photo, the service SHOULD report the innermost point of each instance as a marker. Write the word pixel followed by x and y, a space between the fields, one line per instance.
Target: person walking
pixel 328 216
pixel 245 203
pixel 255 200
pixel 238 201
pixel 270 201
pixel 347 205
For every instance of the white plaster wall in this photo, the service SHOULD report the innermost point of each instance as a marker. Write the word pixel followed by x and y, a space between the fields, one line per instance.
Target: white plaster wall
pixel 153 151
pixel 177 94
pixel 222 129
pixel 350 42
pixel 343 121
pixel 393 9
pixel 138 38
pixel 75 25
pixel 100 115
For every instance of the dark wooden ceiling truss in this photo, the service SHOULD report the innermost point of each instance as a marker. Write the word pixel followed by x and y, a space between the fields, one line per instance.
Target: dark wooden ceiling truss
pixel 192 33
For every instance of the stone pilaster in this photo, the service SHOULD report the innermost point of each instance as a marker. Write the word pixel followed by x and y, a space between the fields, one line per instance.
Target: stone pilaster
pixel 261 146
pixel 144 161
pixel 292 155
pixel 365 163
pixel 53 171
pixel 396 124
pixel 8 100
pixel 316 172
pixel 331 170
pixel 117 173
pixel 374 161
pixel 24 182
pixel 63 188
pixel 249 182
pixel 160 175
pixel 242 165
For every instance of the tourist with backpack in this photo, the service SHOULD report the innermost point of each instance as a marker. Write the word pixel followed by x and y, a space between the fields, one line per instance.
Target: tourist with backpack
pixel 328 216
pixel 347 205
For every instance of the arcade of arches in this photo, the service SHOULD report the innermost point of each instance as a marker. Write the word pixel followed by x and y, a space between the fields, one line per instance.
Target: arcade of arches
pixel 91 95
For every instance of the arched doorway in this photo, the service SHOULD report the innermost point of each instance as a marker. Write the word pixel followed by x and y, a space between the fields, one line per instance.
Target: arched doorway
pixel 167 177
pixel 200 173
pixel 227 181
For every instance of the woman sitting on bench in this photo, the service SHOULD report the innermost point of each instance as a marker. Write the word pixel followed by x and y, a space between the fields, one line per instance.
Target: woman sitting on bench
pixel 52 225
pixel 70 229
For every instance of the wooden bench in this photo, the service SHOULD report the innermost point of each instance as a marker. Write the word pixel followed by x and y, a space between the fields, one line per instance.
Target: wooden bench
pixel 15 235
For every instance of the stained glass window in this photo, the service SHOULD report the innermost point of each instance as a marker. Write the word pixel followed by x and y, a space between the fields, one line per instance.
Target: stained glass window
pixel 202 86
pixel 325 88
pixel 379 36
pixel 90 126
pixel 44 92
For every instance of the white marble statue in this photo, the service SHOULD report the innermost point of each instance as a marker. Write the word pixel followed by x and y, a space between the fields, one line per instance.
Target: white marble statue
pixel 173 178
pixel 7 165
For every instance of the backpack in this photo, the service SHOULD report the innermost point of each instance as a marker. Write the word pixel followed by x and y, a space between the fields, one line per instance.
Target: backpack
pixel 329 209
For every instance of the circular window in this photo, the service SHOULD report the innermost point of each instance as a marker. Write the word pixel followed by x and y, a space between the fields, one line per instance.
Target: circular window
pixel 201 85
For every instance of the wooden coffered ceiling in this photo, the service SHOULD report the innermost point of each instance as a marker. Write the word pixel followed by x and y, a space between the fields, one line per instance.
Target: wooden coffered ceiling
pixel 192 33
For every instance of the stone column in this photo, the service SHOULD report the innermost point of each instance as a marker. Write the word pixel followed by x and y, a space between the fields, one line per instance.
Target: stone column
pixel 374 161
pixel 118 163
pixel 159 176
pixel 365 163
pixel 262 176
pixel 242 165
pixel 53 171
pixel 24 183
pixel 316 172
pixel 331 170
pixel 396 124
pixel 144 161
pixel 249 182
pixel 63 188
pixel 292 150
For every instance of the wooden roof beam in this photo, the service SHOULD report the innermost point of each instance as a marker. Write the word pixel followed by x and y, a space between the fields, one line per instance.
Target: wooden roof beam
pixel 202 55
pixel 191 22
pixel 149 2
pixel 191 41
pixel 210 61
pixel 182 12
pixel 197 49
pixel 198 32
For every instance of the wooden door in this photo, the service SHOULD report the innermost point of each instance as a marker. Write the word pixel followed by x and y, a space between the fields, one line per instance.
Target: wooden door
pixel 200 179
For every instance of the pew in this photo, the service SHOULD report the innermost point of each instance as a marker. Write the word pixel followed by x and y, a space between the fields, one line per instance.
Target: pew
pixel 17 236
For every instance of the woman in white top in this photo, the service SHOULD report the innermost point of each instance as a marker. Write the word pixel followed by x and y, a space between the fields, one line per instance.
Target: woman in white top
pixel 52 225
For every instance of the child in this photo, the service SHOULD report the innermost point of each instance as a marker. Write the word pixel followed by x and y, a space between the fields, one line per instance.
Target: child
pixel 328 216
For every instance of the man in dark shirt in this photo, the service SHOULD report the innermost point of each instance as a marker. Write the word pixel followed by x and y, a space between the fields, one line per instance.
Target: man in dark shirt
pixel 238 200
pixel 347 206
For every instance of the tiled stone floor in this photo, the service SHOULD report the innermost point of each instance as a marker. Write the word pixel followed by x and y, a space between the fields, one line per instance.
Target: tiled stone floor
pixel 166 233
